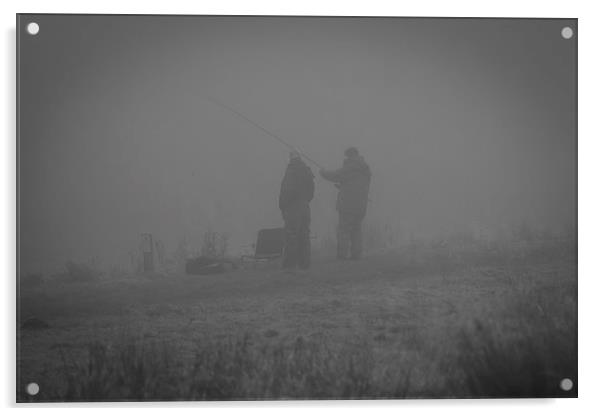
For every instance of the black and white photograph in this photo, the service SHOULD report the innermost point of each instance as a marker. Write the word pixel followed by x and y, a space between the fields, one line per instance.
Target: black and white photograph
pixel 260 208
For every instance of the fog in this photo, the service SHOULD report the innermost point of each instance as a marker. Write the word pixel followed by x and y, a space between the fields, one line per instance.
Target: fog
pixel 466 123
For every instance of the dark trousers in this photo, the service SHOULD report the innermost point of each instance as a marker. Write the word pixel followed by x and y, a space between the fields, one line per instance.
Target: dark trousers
pixel 349 236
pixel 296 237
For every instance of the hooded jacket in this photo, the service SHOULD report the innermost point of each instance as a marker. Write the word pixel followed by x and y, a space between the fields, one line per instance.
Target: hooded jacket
pixel 297 185
pixel 353 181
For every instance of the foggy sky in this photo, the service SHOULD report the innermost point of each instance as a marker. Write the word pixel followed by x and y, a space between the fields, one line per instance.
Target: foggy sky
pixel 463 122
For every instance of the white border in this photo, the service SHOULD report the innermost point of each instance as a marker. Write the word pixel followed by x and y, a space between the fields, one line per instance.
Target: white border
pixel 590 208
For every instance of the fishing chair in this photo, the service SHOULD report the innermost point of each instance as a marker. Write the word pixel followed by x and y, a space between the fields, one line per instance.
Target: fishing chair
pixel 269 245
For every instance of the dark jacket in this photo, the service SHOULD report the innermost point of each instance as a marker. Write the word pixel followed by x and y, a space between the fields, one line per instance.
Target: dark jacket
pixel 353 181
pixel 297 185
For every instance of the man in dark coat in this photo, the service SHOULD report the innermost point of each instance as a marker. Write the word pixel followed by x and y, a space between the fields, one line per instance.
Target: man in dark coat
pixel 296 192
pixel 353 182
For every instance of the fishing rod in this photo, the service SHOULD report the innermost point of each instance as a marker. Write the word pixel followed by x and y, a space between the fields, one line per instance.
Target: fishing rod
pixel 269 133
pixel 266 131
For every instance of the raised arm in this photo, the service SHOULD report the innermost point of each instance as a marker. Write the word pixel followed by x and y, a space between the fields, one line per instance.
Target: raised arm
pixel 333 175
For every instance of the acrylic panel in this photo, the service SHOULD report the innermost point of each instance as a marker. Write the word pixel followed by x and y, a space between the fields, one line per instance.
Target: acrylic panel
pixel 295 207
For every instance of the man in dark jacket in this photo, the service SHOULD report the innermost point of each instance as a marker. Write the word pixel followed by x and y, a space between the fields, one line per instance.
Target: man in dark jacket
pixel 296 191
pixel 353 182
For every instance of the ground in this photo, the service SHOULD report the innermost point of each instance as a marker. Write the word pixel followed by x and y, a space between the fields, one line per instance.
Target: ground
pixel 394 327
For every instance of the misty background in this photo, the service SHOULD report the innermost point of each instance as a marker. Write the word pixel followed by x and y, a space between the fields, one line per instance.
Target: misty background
pixel 466 124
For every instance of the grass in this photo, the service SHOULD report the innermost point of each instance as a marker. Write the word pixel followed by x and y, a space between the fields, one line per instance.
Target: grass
pixel 79 272
pixel 471 324
pixel 532 358
pixel 240 369
pixel 525 366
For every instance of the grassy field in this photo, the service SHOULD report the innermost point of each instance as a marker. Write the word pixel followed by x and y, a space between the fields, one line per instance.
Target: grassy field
pixel 393 325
